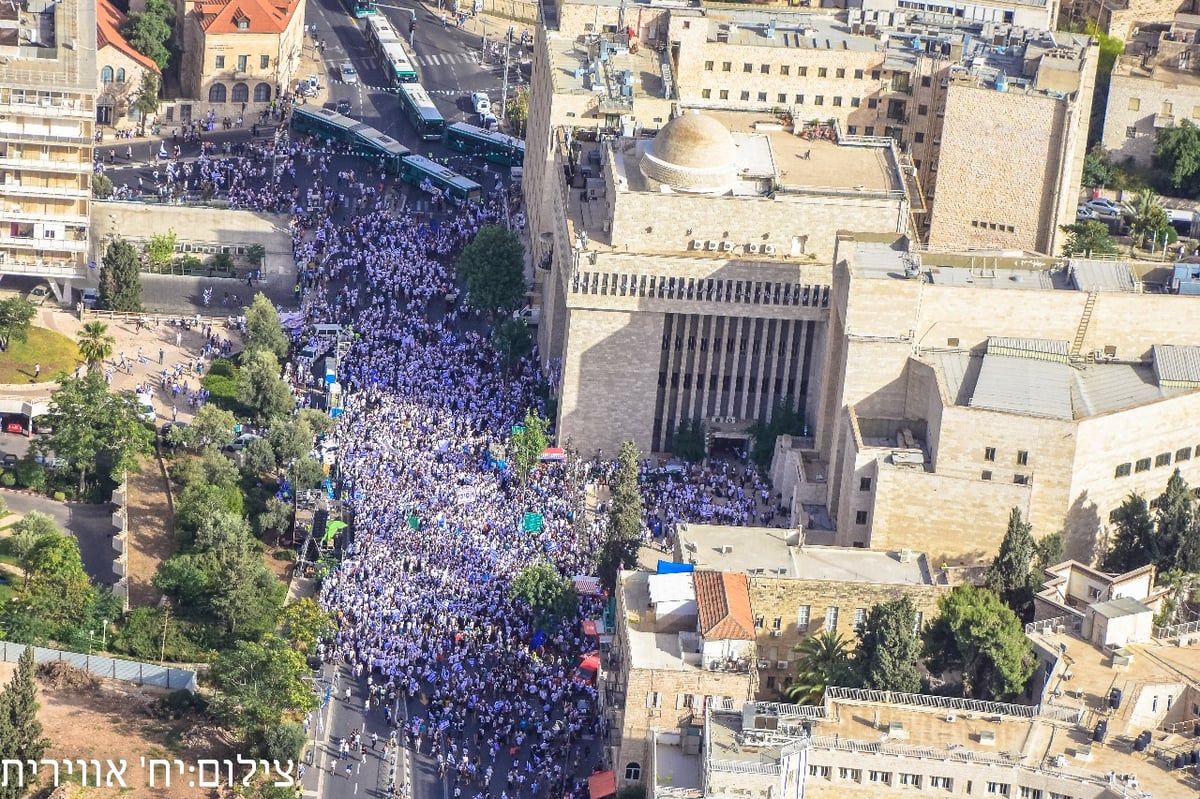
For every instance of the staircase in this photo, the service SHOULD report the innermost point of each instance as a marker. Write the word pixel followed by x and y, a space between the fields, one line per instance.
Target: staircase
pixel 1081 332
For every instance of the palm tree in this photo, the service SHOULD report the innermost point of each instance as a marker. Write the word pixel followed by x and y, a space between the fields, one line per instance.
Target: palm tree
pixel 824 660
pixel 95 344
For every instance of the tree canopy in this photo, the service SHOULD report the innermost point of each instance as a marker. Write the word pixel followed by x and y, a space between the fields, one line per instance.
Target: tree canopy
pixel 149 31
pixel 95 343
pixel 120 278
pixel 550 594
pixel 888 648
pixel 261 387
pixel 1009 573
pixel 1168 536
pixel 259 680
pixel 160 248
pixel 529 442
pixel 20 731
pixel 263 328
pixel 980 636
pixel 492 267
pixel 623 535
pixel 1178 154
pixel 823 660
pixel 16 315
pixel 1088 238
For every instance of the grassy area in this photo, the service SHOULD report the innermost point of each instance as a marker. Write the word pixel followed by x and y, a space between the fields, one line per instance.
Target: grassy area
pixel 54 351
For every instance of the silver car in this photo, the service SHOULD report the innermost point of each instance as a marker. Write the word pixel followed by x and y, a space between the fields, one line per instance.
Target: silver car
pixel 349 74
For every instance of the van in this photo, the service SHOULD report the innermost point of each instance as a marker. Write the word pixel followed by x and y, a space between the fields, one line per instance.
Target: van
pixel 145 406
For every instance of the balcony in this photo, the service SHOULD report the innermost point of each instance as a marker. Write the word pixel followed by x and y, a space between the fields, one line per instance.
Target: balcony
pixel 46 164
pixel 40 266
pixel 24 190
pixel 80 219
pixel 59 245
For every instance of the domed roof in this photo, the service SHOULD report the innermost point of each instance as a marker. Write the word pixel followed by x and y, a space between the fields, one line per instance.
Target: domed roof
pixel 692 152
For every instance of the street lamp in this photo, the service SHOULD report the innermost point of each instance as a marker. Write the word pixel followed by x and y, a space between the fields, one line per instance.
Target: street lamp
pixel 104 634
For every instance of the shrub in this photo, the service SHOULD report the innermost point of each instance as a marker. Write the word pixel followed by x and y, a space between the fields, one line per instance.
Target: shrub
pixel 31 474
pixel 8 479
pixel 60 496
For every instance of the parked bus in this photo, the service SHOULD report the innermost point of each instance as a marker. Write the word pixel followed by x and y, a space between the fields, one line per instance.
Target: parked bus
pixel 373 144
pixel 391 50
pixel 326 124
pixel 360 8
pixel 491 145
pixel 428 175
pixel 421 112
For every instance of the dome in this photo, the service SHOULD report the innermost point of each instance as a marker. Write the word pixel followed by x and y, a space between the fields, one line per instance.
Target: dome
pixel 692 152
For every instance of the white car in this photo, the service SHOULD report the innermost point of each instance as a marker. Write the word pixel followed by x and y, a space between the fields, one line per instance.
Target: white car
pixel 1085 214
pixel 1105 207
pixel 349 74
pixel 481 103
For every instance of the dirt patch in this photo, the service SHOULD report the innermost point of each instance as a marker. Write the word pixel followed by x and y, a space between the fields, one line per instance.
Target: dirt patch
pixel 151 532
pixel 59 674
pixel 281 566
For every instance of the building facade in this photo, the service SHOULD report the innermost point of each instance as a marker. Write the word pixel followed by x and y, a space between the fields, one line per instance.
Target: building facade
pixel 240 55
pixel 47 117
pixel 121 68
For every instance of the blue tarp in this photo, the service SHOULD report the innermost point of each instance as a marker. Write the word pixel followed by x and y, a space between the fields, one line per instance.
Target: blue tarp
pixel 667 567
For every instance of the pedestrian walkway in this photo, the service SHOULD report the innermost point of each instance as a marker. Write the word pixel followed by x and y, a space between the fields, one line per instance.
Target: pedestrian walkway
pixel 443 59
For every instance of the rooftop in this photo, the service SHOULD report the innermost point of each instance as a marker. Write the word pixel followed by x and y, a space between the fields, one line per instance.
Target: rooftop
pixel 577 68
pixel 787 30
pixel 54 50
pixel 108 34
pixel 723 604
pixel 245 16
pixel 764 552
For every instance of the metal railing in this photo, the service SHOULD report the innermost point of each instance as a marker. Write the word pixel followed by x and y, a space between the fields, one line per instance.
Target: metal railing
pixel 112 668
pixel 838 694
pixel 745 767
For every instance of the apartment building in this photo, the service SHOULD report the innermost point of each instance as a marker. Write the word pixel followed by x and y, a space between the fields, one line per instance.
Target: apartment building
pixel 239 55
pixel 47 115
pixel 121 68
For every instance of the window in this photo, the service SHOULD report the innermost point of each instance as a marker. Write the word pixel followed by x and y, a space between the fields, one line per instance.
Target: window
pixel 785 69
pixel 802 617
pixel 706 93
pixel 777 623
pixel 653 699
pixel 852 130
pixel 708 66
pixel 864 484
pixel 121 75
pixel 918 622
pixel 758 622
pixel 106 75
pixel 872 102
pixel 1142 465
pixel 818 771
pixel 633 771
pixel 1021 479
pixel 220 62
pixel 726 66
pixel 858 74
pixel 926 81
pixel 1184 454
pixel 216 93
pixel 851 774
pixel 802 71
pixel 724 94
pixel 1162 459
pixel 264 62
pixel 1093 592
pixel 1124 470
pixel 884 777
pixel 745 95
pixel 1131 132
pixel 747 67
pixel 770 681
pixel 1030 793
pixel 918 137
pixel 860 517
pixel 989 453
pixel 819 99
pixel 243 24
pixel 839 73
pixel 869 130
pixel 762 97
pixel 799 99
pixel 1022 457
pixel 986 474
pixel 241 93
pixel 860 617
pixel 822 72
pixel 831 616
pixel 875 74
pixel 765 69
pixel 781 98
pixel 243 62
pixel 911 780
pixel 941 782
pixel 922 110
pixel 837 100
pixel 262 93
pixel 855 102
pixel 998 788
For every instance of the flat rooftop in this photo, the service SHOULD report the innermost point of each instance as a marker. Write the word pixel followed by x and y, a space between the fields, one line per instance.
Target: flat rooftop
pixel 55 48
pixel 798 31
pixel 764 551
pixel 676 769
pixel 649 649
pixel 577 68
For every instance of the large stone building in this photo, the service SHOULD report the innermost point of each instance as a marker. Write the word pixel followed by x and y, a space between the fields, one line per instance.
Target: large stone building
pixel 121 68
pixel 239 55
pixel 47 115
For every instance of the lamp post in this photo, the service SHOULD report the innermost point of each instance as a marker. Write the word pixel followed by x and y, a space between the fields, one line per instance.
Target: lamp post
pixel 104 634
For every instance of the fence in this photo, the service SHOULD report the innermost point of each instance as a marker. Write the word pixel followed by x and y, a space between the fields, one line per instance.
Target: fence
pixel 113 668
pixel 1176 630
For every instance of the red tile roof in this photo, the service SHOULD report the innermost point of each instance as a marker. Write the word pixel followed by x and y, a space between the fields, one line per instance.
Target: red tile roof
pixel 108 34
pixel 723 603
pixel 263 16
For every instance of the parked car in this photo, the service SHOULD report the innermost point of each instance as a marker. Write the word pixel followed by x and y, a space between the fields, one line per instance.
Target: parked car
pixel 90 297
pixel 10 460
pixel 480 102
pixel 343 107
pixel 349 74
pixel 42 428
pixel 1105 207
pixel 1085 214
pixel 14 427
pixel 241 442
pixel 39 295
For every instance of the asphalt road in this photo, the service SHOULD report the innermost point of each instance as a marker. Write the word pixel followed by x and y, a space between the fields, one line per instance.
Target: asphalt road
pixel 90 524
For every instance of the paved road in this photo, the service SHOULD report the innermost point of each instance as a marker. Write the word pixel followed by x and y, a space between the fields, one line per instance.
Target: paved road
pixel 90 524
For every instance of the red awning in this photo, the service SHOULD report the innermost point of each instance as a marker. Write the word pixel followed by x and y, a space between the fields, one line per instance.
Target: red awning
pixel 590 663
pixel 589 628
pixel 602 784
pixel 554 454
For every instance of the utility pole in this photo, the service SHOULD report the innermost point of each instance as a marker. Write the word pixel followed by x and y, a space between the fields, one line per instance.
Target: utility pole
pixel 504 94
pixel 162 655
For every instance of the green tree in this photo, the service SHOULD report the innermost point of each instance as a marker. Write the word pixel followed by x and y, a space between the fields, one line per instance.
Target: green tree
pixel 146 101
pixel 160 249
pixel 550 594
pixel 149 31
pixel 102 187
pixel 688 442
pixel 263 328
pixel 1087 238
pixel 785 420
pixel 305 623
pixel 824 660
pixel 290 439
pixel 1133 536
pixel 518 112
pixel 1150 227
pixel 1178 154
pixel 277 518
pixel 26 533
pixel 256 254
pixel 260 386
pixel 306 473
pixel 623 534
pixel 492 267
pixel 1176 517
pixel 60 594
pixel 1097 174
pixel 95 428
pixel 259 457
pixel 95 344
pixel 282 742
pixel 20 731
pixel 213 426
pixel 120 278
pixel 513 340
pixel 980 636
pixel 530 442
pixel 318 421
pixel 259 680
pixel 1009 573
pixel 888 648
pixel 30 474
pixel 16 315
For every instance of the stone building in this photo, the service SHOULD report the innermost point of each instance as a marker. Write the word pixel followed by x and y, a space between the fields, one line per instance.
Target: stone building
pixel 797 590
pixel 47 118
pixel 239 55
pixel 121 68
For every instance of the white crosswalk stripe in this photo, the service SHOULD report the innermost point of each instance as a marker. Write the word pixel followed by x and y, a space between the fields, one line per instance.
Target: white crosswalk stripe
pixel 445 59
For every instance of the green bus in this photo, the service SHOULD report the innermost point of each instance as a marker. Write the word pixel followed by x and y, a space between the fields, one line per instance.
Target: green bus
pixel 491 145
pixel 361 8
pixel 429 175
pixel 326 124
pixel 393 54
pixel 370 143
pixel 422 114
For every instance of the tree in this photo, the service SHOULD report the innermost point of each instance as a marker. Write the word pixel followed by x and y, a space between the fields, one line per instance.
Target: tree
pixel 306 473
pixel 623 534
pixel 1088 238
pixel 146 102
pixel 785 420
pixel 550 594
pixel 1176 517
pixel 214 426
pixel 95 344
pixel 688 442
pixel 1096 172
pixel 16 315
pixel 256 254
pixel 260 680
pixel 823 660
pixel 259 457
pixel 95 428
pixel 492 267
pixel 319 422
pixel 888 648
pixel 529 442
pixel 260 386
pixel 26 533
pixel 1009 573
pixel 1178 154
pixel 160 249
pixel 102 187
pixel 980 636
pixel 518 112
pixel 149 31
pixel 1149 226
pixel 290 439
pixel 20 731
pixel 120 278
pixel 305 623
pixel 1133 536
pixel 513 340
pixel 263 328
pixel 60 594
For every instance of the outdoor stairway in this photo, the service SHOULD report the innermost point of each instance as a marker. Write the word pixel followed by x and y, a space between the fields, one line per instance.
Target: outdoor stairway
pixel 1084 321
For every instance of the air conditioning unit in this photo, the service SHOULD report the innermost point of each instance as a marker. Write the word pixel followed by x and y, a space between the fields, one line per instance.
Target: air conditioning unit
pixel 730 419
pixel 725 550
pixel 776 633
pixel 712 245
pixel 727 246
pixel 699 244
pixel 906 556
pixel 752 249
pixel 764 664
pixel 781 665
pixel 716 420
pixel 769 249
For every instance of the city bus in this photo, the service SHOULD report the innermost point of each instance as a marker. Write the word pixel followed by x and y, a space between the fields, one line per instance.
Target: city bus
pixel 391 50
pixel 326 124
pixel 370 143
pixel 428 175
pixel 491 145
pixel 421 112
pixel 360 8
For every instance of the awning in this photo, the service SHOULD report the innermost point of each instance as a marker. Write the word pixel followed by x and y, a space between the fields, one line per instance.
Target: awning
pixel 667 567
pixel 553 454
pixel 589 628
pixel 602 784
pixel 586 586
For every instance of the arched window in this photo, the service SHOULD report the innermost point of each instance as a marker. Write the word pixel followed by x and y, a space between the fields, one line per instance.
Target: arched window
pixel 121 75
pixel 633 771
pixel 216 93
pixel 241 92
pixel 262 93
pixel 106 75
